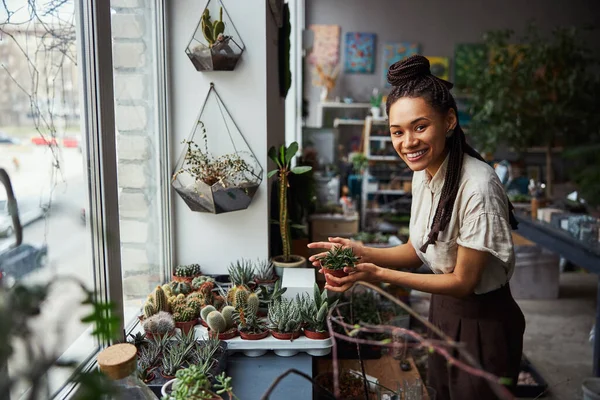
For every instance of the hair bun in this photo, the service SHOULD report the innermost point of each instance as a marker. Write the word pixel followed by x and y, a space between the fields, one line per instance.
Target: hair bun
pixel 409 69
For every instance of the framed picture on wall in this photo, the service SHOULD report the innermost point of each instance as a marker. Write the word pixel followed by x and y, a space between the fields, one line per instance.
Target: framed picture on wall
pixel 440 67
pixel 360 53
pixel 394 52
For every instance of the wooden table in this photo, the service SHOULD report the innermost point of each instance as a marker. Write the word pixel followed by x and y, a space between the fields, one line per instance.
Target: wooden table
pixel 386 370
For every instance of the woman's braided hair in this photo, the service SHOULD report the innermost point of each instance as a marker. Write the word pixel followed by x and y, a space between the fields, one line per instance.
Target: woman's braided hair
pixel 412 77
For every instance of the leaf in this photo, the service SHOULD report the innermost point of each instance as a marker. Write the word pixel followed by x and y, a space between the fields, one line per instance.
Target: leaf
pixel 505 381
pixel 291 152
pixel 301 170
pixel 272 173
pixel 273 155
pixel 282 155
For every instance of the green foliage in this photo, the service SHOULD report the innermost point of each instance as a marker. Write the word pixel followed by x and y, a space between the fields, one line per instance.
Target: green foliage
pixel 212 29
pixel 338 258
pixel 285 316
pixel 241 273
pixel 314 312
pixel 360 162
pixel 223 384
pixel 585 170
pixel 535 91
pixel 283 159
pixel 187 270
pixel 263 270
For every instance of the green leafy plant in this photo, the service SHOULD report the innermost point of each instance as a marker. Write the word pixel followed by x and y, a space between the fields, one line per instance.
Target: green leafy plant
pixel 376 98
pixel 284 316
pixel 283 160
pixel 245 313
pixel 338 258
pixel 360 162
pixel 314 311
pixel 535 91
pixel 192 383
pixel 224 385
pixel 175 356
pixel 241 273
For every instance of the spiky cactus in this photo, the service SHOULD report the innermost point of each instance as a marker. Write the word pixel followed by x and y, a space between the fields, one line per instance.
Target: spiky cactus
pixel 216 322
pixel 210 29
pixel 241 273
pixel 199 280
pixel 205 311
pixel 284 316
pixel 181 288
pixel 159 324
pixel 187 271
pixel 245 315
pixel 167 289
pixel 149 309
pixel 185 314
pixel 206 290
pixel 159 299
pixel 227 313
pixel 240 297
pixel 253 302
pixel 195 303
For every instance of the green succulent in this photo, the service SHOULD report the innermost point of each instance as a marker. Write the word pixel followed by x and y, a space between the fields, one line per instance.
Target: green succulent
pixel 284 316
pixel 263 270
pixel 187 271
pixel 181 288
pixel 159 324
pixel 241 273
pixel 212 29
pixel 199 280
pixel 338 258
pixel 314 311
pixel 216 322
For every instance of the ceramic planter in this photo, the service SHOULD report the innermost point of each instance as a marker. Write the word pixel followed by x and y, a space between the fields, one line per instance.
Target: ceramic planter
pixel 338 273
pixel 168 387
pixel 285 336
pixel 316 335
pixel 229 334
pixel 280 265
pixel 186 326
pixel 254 336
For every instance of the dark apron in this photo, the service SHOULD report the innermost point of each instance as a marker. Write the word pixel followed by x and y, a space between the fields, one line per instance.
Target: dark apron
pixel 491 325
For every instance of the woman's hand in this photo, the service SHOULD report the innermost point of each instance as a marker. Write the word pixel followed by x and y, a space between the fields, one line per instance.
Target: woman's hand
pixel 361 272
pixel 357 249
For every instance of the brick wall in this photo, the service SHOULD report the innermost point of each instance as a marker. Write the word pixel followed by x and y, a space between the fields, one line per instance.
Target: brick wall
pixel 137 145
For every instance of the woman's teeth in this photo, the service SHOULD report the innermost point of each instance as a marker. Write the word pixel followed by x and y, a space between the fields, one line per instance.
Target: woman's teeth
pixel 417 154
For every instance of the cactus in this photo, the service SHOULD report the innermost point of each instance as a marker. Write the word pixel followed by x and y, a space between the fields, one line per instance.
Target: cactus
pixel 218 302
pixel 195 304
pixel 149 309
pixel 181 288
pixel 159 324
pixel 187 270
pixel 216 322
pixel 167 289
pixel 210 29
pixel 207 293
pixel 314 311
pixel 200 280
pixel 159 299
pixel 227 313
pixel 253 303
pixel 241 297
pixel 185 314
pixel 206 310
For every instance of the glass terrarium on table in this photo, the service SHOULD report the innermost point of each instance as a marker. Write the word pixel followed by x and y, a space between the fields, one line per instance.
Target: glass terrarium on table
pixel 216 44
pixel 216 172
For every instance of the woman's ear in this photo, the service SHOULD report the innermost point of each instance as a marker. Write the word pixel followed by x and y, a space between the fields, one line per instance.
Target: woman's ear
pixel 451 120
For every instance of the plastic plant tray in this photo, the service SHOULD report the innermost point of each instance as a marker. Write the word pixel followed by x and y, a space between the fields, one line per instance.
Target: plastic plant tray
pixel 283 348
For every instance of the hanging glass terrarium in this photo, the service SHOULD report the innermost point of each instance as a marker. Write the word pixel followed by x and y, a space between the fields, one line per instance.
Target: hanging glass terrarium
pixel 216 45
pixel 216 172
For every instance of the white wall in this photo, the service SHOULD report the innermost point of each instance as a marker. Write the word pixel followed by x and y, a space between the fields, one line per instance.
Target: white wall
pixel 214 241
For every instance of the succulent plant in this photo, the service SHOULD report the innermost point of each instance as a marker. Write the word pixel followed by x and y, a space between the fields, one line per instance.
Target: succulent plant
pixel 212 29
pixel 138 339
pixel 175 355
pixel 241 273
pixel 238 295
pixel 159 324
pixel 246 316
pixel 205 311
pixel 149 309
pixel 227 313
pixel 338 258
pixel 267 297
pixel 314 311
pixel 199 280
pixel 216 322
pixel 167 289
pixel 206 290
pixel 187 271
pixel 219 302
pixel 263 270
pixel 159 300
pixel 195 303
pixel 185 314
pixel 181 288
pixel 284 316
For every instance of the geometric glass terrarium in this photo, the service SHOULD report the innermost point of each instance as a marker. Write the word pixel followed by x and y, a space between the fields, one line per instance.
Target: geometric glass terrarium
pixel 216 172
pixel 216 44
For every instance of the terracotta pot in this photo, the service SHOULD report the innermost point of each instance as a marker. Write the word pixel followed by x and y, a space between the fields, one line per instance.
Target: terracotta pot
pixel 187 279
pixel 168 377
pixel 253 336
pixel 285 336
pixel 186 326
pixel 338 273
pixel 229 334
pixel 150 378
pixel 203 323
pixel 316 335
pixel 269 282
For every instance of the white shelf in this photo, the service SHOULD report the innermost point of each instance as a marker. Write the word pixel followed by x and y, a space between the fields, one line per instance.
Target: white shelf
pixel 381 138
pixel 342 121
pixel 384 158
pixel 337 104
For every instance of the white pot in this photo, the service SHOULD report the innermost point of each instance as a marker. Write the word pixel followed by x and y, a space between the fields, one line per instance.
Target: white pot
pixel 280 265
pixel 376 112
pixel 165 387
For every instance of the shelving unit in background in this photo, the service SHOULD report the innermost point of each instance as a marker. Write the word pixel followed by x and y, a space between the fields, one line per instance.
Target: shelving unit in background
pixel 396 198
pixel 339 105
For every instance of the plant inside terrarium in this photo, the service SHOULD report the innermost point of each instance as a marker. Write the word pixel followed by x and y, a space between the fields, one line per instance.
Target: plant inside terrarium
pixel 229 170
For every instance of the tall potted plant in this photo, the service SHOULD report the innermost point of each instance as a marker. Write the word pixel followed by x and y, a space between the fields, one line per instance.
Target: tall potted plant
pixel 283 160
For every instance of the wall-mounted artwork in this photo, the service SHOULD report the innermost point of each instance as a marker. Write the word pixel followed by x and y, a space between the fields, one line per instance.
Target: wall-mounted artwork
pixel 468 59
pixel 360 53
pixel 326 45
pixel 394 52
pixel 440 67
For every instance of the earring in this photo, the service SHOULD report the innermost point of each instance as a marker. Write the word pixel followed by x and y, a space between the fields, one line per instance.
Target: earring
pixel 449 133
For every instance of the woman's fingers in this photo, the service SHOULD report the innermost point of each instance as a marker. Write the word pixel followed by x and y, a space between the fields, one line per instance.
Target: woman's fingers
pixel 320 245
pixel 316 257
pixel 339 240
pixel 338 289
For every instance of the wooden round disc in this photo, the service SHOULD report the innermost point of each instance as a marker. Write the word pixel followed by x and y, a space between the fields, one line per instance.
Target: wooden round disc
pixel 118 361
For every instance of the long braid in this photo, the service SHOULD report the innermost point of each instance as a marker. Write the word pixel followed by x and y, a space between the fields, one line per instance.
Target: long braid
pixel 412 78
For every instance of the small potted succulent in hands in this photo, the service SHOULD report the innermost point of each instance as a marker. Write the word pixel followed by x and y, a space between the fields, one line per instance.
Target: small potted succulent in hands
pixel 159 325
pixel 335 260
pixel 245 315
pixel 186 273
pixel 221 324
pixel 314 313
pixel 285 319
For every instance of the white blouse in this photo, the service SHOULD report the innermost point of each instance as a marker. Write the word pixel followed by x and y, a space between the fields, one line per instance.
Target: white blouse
pixel 480 221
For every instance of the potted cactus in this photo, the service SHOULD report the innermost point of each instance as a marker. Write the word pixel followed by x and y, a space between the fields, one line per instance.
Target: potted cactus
pixel 241 273
pixel 156 302
pixel 198 281
pixel 250 326
pixel 314 313
pixel 186 273
pixel 159 324
pixel 335 260
pixel 221 324
pixel 283 160
pixel 264 273
pixel 284 319
pixel 185 313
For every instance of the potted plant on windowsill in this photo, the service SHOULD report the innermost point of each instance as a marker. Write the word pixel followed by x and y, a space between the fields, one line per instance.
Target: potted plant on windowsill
pixel 314 313
pixel 221 325
pixel 250 326
pixel 159 325
pixel 186 316
pixel 285 319
pixel 186 273
pixel 335 260
pixel 283 160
